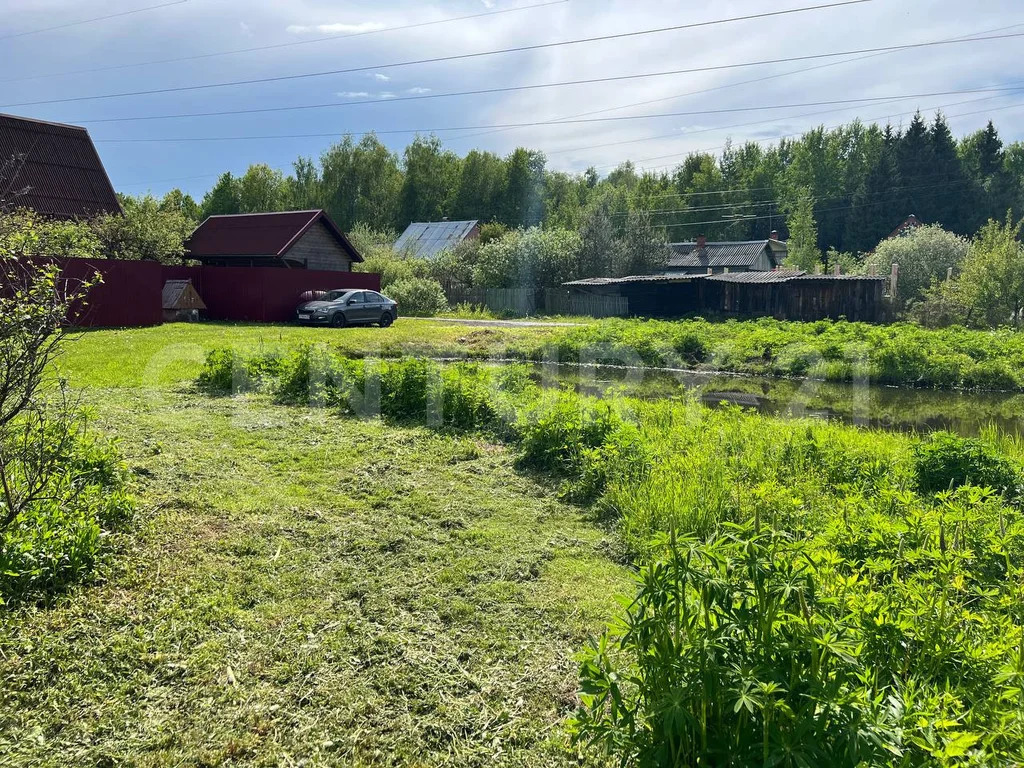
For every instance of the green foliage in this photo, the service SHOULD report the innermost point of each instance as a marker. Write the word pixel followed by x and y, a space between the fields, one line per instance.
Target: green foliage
pixel 946 461
pixel 726 657
pixel 418 296
pixel 844 188
pixel 222 199
pixel 25 233
pixel 992 283
pixel 491 231
pixel 358 183
pixel 177 201
pixel 799 602
pixel 924 255
pixel 533 258
pixel 803 233
pixel 146 232
pixel 57 540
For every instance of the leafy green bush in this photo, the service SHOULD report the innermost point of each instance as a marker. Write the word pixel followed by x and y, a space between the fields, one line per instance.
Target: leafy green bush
pixel 418 297
pixel 227 372
pixel 946 461
pixel 727 657
pixel 59 538
pixel 754 649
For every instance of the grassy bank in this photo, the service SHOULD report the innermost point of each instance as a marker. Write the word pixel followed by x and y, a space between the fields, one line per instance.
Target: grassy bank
pixel 900 355
pixel 299 588
pixel 877 576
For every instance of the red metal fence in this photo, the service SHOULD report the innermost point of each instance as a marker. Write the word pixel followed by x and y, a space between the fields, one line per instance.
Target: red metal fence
pixel 131 291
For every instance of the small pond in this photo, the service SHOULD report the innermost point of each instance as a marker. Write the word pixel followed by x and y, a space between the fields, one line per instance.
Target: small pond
pixel 904 410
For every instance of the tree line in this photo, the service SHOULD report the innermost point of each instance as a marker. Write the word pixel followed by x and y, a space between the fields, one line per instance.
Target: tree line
pixel 844 188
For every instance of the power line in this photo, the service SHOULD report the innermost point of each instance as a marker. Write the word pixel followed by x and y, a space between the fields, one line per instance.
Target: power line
pixel 620 118
pixel 741 83
pixel 792 135
pixel 724 87
pixel 90 21
pixel 753 123
pixel 457 57
pixel 482 92
pixel 837 209
pixel 777 202
pixel 284 45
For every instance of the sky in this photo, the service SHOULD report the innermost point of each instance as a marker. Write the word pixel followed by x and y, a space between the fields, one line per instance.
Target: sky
pixel 52 66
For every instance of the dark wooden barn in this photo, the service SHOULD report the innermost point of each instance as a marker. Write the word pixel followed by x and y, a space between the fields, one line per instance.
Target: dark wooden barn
pixel 53 169
pixel 647 295
pixel 784 294
pixel 292 239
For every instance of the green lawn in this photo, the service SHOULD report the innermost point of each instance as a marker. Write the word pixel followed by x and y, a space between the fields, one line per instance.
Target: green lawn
pixel 301 588
pixel 173 353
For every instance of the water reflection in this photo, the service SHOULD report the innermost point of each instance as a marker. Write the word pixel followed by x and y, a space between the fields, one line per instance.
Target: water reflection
pixel 891 408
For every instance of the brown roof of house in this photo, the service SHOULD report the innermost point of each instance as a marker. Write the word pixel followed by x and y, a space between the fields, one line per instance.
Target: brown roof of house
pixel 260 234
pixel 52 168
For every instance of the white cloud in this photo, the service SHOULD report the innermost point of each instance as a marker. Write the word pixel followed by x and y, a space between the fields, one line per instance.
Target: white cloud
pixel 245 29
pixel 336 29
pixel 382 78
pixel 353 94
pixel 418 91
pixel 385 95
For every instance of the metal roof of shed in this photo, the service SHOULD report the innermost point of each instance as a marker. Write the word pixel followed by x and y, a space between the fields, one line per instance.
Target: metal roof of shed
pixel 775 276
pixel 53 168
pixel 636 279
pixel 426 239
pixel 726 254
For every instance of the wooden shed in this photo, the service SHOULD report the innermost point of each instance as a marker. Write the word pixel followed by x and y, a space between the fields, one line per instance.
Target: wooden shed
pixel 181 302
pixel 289 239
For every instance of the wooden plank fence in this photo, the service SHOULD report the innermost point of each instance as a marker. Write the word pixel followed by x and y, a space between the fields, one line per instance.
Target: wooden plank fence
pixel 523 302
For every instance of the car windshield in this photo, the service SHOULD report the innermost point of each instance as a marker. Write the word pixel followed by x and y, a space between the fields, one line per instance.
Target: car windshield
pixel 335 295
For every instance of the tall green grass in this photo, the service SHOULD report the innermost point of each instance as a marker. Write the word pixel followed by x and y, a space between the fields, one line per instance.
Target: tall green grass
pixel 809 594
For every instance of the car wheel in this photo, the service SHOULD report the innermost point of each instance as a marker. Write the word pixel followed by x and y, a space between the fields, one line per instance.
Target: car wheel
pixel 339 321
pixel 386 319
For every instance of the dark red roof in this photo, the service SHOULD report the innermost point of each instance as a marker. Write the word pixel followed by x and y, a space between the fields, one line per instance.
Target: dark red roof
pixel 260 234
pixel 53 168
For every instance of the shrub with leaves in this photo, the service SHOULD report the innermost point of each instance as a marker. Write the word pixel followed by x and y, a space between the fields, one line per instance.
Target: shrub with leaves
pixel 727 658
pixel 945 461
pixel 417 296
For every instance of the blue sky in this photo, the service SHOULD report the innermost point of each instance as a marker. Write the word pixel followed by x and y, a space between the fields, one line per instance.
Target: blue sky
pixel 199 27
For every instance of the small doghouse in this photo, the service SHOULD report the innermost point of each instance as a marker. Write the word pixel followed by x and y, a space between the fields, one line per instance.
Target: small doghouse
pixel 182 303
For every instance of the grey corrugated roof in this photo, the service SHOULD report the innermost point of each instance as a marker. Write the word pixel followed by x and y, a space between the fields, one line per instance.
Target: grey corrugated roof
pixel 727 254
pixel 636 279
pixel 843 277
pixel 426 239
pixel 775 276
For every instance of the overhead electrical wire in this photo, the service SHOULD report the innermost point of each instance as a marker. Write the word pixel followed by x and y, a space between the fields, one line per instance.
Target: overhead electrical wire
pixel 777 202
pixel 291 44
pixel 459 57
pixel 753 81
pixel 620 118
pixel 796 134
pixel 90 21
pixel 770 216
